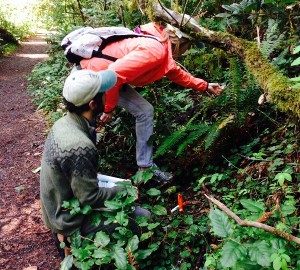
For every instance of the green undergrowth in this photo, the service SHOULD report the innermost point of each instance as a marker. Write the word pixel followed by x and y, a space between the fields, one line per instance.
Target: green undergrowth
pixel 230 148
pixel 258 181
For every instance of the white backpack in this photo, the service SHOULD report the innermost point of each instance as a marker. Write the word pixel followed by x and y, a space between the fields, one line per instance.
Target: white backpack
pixel 88 42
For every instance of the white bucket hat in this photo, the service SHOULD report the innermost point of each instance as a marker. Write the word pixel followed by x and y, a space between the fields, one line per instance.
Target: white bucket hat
pixel 83 85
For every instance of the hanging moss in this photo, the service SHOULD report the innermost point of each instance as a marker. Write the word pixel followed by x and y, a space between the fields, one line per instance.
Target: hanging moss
pixel 272 81
pixel 276 85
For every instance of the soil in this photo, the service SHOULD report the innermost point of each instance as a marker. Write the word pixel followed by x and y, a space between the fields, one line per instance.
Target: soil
pixel 25 243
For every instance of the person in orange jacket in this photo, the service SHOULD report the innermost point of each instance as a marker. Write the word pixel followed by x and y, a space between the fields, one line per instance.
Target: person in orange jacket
pixel 141 61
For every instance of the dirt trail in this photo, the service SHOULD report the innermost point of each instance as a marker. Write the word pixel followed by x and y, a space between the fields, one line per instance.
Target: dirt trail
pixel 25 243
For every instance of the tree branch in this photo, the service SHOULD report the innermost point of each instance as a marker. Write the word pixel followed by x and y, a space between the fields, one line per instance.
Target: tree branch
pixel 245 223
pixel 276 85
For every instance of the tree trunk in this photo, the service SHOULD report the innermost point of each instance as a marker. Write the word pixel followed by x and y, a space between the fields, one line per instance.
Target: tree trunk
pixel 273 83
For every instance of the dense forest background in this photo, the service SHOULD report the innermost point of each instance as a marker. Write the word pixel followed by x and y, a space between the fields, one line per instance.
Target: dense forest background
pixel 241 148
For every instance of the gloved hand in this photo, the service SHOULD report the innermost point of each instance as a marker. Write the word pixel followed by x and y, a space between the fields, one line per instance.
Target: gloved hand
pixel 215 88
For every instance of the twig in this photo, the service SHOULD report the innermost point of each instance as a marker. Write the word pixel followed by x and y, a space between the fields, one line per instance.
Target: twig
pixel 184 9
pixel 245 223
pixel 166 10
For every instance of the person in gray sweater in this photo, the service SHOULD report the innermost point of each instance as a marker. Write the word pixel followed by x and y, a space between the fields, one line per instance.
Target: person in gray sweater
pixel 70 158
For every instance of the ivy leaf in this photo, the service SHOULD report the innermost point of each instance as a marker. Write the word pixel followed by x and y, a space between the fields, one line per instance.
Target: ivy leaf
pixel 133 244
pixel 220 223
pixel 101 239
pixel 67 263
pixel 153 192
pixel 121 218
pixel 159 210
pixel 231 252
pixel 260 252
pixel 253 206
pixel 113 205
pixel 120 257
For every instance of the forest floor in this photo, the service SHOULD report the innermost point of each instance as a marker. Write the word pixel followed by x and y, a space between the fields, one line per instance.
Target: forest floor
pixel 25 243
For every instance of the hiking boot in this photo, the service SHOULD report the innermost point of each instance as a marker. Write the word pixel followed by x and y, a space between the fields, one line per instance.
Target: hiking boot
pixel 160 176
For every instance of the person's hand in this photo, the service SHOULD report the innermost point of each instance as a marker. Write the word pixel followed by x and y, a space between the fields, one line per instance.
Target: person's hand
pixel 106 117
pixel 215 88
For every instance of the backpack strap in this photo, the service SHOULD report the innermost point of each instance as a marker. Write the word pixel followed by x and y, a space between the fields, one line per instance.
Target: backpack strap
pixel 99 54
pixel 112 39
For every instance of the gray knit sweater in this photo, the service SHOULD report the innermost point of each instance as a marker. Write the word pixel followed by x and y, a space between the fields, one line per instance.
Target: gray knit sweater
pixel 69 169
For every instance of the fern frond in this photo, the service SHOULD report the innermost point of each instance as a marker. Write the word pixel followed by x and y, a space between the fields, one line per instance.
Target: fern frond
pixel 213 134
pixel 171 141
pixel 193 136
pixel 272 38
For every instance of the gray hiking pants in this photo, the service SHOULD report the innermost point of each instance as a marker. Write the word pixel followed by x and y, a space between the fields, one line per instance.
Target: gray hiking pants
pixel 143 112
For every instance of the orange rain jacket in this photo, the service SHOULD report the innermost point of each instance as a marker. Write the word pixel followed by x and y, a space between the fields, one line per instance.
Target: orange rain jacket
pixel 141 61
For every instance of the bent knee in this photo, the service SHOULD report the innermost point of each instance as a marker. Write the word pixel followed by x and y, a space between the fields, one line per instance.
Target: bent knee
pixel 147 111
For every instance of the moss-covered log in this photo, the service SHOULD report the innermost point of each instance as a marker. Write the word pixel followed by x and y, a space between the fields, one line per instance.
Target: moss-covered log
pixel 268 77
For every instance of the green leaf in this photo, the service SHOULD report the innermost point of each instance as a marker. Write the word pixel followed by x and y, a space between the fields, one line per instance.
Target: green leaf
pixel 80 253
pixel 260 253
pixel 220 223
pixel 153 192
pixel 76 239
pixel 67 263
pixel 146 235
pixel 100 253
pixel 145 253
pixel 152 226
pixel 283 176
pixel 296 79
pixel 159 210
pixel 113 205
pixel 120 257
pixel 246 265
pixel 296 62
pixel 142 177
pixel 86 209
pixel 296 50
pixel 284 265
pixel 132 244
pixel 287 209
pixel 87 265
pixel 286 257
pixel 122 218
pixel 231 253
pixel 101 239
pixel 277 263
pixel 253 206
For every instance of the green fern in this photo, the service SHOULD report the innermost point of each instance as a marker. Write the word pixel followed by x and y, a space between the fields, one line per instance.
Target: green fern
pixel 272 39
pixel 193 136
pixel 230 109
pixel 212 135
pixel 171 141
